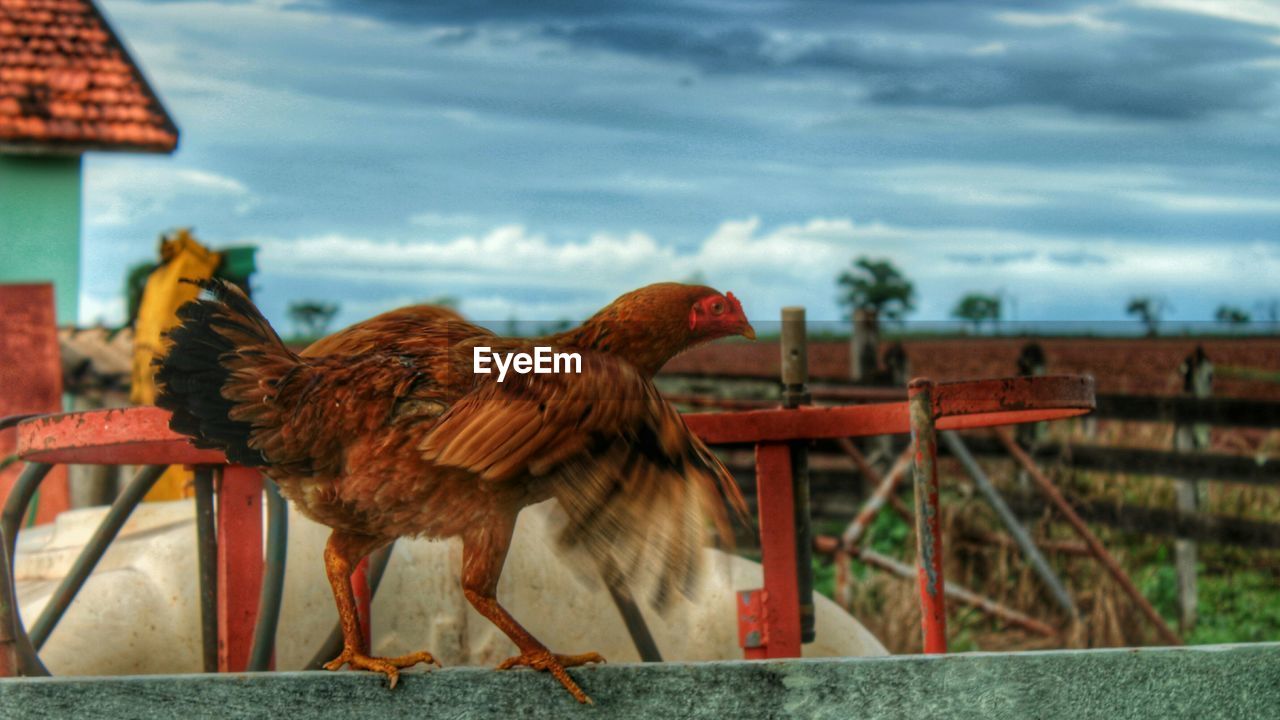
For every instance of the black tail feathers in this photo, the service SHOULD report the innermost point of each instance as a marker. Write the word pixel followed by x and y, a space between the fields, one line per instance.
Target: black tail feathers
pixel 218 334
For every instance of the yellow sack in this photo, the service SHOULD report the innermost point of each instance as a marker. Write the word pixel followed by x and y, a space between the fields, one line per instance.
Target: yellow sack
pixel 181 256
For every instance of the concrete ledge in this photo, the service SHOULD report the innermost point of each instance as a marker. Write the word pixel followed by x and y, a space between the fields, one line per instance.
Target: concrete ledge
pixel 1235 681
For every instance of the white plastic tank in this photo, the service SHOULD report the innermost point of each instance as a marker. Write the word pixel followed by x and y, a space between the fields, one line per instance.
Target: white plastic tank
pixel 139 611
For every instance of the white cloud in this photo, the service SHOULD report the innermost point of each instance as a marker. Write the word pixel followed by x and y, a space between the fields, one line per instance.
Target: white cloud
pixel 1015 186
pixel 120 193
pixel 996 185
pixel 1196 203
pixel 991 48
pixel 1253 12
pixel 1086 18
pixel 772 267
pixel 99 310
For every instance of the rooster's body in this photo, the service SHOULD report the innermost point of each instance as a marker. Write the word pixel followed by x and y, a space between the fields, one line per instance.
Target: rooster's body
pixel 384 430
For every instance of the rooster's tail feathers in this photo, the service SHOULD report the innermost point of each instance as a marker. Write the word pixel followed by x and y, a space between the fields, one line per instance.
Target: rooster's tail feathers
pixel 222 352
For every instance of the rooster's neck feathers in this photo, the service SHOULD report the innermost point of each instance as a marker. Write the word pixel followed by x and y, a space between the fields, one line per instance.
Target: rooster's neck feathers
pixel 646 327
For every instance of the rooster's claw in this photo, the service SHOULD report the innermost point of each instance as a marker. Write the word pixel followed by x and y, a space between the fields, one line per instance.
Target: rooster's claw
pixel 556 664
pixel 387 666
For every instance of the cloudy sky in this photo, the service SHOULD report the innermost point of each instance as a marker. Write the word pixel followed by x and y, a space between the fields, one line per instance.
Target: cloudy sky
pixel 537 159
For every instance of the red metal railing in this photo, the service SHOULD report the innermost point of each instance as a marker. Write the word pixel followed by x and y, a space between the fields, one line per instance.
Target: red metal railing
pixel 770 619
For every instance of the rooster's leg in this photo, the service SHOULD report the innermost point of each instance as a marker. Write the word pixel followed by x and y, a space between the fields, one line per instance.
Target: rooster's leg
pixel 483 553
pixel 341 554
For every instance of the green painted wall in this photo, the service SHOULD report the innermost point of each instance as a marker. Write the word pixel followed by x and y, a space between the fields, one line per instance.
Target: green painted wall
pixel 40 225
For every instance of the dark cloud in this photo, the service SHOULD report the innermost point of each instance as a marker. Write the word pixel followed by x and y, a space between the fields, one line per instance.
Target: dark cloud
pixel 991 258
pixel 489 11
pixel 1156 75
pixel 1111 60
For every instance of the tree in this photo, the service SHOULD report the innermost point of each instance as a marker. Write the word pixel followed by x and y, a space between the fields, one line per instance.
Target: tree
pixel 977 308
pixel 135 281
pixel 878 286
pixel 311 318
pixel 1231 315
pixel 1149 310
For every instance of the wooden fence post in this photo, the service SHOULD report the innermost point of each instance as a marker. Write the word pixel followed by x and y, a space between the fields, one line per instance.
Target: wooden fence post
pixel 795 392
pixel 1197 381
pixel 1031 363
pixel 865 348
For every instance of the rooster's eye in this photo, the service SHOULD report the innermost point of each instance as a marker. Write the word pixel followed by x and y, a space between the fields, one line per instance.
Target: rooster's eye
pixel 717 307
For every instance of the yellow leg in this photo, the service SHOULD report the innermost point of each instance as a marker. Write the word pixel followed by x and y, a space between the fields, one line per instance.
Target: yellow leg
pixel 483 553
pixel 341 554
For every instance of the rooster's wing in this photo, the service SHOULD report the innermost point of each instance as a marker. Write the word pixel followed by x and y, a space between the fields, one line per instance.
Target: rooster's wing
pixel 636 485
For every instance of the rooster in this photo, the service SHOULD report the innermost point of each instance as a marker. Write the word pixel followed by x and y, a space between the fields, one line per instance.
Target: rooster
pixel 384 430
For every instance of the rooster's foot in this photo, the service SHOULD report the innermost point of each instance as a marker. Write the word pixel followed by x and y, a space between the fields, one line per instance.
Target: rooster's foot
pixel 389 666
pixel 555 664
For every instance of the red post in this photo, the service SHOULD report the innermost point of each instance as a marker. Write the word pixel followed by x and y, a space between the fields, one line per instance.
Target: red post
pixel 781 598
pixel 752 628
pixel 30 381
pixel 933 604
pixel 239 564
pixel 364 599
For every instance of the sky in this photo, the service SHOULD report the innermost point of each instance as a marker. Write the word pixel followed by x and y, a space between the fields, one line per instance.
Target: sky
pixel 535 160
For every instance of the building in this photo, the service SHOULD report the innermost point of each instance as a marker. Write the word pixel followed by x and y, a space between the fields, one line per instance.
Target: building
pixel 67 86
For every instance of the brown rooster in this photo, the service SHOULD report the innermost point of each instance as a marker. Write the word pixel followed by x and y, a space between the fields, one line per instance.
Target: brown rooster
pixel 384 430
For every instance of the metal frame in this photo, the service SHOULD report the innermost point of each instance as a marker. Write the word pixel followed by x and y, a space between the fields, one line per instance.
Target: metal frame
pixel 248 594
pixel 769 619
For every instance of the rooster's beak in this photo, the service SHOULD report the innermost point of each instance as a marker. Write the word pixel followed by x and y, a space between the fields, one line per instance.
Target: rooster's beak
pixel 747 331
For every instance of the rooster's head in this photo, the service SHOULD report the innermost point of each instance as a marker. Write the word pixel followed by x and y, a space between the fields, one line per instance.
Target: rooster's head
pixel 713 315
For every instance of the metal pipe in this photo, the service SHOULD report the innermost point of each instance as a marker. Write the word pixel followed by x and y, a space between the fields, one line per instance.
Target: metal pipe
pixel 933 602
pixel 333 644
pixel 646 646
pixel 885 487
pixel 961 594
pixel 1016 529
pixel 829 544
pixel 264 630
pixel 1099 550
pixel 207 560
pixel 16 650
pixel 92 552
pixel 795 376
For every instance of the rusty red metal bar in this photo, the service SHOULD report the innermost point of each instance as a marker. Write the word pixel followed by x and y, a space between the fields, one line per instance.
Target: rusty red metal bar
pixel 1095 545
pixel 960 594
pixel 955 406
pixel 828 544
pixel 933 599
pixel 781 598
pixel 119 436
pixel 239 564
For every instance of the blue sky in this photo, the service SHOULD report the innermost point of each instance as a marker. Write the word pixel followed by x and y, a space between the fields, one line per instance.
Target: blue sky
pixel 538 159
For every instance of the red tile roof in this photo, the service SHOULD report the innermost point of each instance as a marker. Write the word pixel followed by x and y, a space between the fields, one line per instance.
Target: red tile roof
pixel 67 84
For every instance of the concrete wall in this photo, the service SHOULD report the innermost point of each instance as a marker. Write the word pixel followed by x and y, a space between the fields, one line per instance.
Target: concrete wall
pixel 40 225
pixel 1206 683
